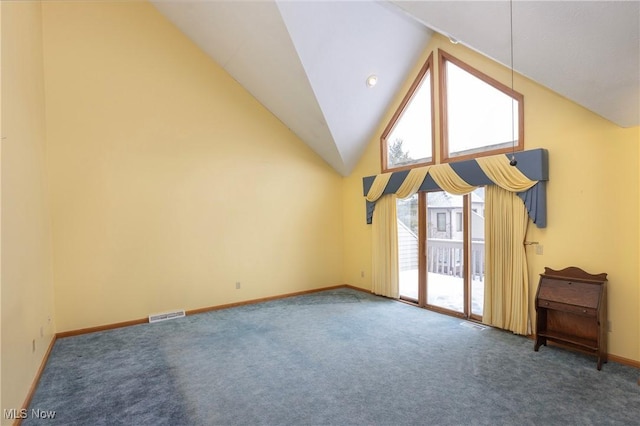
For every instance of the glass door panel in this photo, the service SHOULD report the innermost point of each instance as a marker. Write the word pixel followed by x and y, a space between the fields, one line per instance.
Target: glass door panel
pixel 445 251
pixel 476 257
pixel 441 251
pixel 407 211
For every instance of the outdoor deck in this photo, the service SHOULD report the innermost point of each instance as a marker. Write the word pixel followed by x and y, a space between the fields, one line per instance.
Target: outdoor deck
pixel 443 290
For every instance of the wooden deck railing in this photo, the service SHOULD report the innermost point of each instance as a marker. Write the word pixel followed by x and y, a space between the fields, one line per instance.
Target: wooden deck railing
pixel 443 256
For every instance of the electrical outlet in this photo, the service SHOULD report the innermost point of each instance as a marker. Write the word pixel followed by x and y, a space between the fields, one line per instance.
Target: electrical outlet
pixel 237 285
pixel 539 249
pixel 609 326
pixel 361 274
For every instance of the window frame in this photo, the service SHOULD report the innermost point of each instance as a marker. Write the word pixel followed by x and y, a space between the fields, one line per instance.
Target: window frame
pixel 440 215
pixel 384 147
pixel 443 58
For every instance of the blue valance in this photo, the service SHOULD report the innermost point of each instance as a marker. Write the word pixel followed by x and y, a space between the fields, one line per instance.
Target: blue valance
pixel 534 164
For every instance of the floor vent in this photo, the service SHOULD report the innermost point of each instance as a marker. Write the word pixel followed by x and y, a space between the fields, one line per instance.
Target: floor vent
pixel 166 316
pixel 473 325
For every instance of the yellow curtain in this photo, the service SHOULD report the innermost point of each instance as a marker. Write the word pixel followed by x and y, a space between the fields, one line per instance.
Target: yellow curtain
pixel 506 296
pixel 377 187
pixel 448 180
pixel 503 174
pixel 385 274
pixel 412 182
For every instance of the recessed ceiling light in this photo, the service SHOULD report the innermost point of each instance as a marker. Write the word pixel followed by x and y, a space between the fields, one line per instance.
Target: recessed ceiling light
pixel 372 80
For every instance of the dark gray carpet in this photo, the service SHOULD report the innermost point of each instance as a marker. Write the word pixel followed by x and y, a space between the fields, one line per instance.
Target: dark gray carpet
pixel 337 357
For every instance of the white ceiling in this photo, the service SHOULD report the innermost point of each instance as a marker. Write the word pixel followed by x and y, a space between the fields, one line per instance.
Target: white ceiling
pixel 307 61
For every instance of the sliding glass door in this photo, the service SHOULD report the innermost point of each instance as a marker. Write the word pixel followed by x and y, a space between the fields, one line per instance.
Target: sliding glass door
pixel 476 253
pixel 441 251
pixel 408 247
pixel 445 251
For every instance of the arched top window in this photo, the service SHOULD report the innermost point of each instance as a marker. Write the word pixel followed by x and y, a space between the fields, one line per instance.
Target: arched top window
pixel 408 139
pixel 479 115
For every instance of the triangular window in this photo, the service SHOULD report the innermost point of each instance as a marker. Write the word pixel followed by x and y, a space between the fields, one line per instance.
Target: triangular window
pixel 408 139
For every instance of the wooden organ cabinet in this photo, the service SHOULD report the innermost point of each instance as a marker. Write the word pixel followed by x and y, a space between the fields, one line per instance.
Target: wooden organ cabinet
pixel 571 307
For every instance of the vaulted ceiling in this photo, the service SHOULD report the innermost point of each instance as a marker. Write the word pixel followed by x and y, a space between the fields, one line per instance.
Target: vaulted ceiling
pixel 307 61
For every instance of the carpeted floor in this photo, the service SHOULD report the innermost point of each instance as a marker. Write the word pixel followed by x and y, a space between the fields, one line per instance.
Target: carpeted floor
pixel 339 357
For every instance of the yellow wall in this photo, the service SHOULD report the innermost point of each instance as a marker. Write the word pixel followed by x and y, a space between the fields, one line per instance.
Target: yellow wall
pixel 169 182
pixel 27 285
pixel 1 119
pixel 592 197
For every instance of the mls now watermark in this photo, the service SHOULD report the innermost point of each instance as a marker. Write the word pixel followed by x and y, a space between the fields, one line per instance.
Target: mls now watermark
pixel 23 413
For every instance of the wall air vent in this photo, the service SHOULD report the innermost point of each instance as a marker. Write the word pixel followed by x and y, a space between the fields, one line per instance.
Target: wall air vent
pixel 166 316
